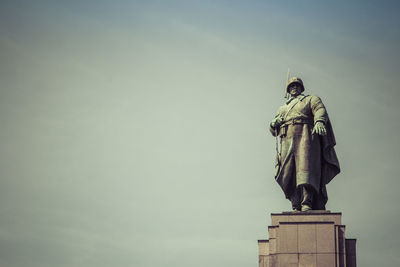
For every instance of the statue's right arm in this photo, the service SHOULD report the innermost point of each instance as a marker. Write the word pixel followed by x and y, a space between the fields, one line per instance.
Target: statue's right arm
pixel 275 124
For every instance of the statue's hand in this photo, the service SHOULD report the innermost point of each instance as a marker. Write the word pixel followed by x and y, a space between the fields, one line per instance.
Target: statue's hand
pixel 319 128
pixel 278 121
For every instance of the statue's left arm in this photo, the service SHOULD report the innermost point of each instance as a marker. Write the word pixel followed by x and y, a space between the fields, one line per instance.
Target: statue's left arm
pixel 320 115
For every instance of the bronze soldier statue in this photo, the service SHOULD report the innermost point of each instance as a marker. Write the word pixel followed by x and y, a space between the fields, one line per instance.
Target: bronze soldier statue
pixel 307 160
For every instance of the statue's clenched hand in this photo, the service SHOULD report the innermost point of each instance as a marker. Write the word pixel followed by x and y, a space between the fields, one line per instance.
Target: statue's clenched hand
pixel 278 121
pixel 319 128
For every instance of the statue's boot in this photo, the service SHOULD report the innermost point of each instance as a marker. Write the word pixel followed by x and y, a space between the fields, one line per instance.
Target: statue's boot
pixel 302 198
pixel 296 200
pixel 307 197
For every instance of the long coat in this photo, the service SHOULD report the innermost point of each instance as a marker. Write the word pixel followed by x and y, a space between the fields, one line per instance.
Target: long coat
pixel 305 158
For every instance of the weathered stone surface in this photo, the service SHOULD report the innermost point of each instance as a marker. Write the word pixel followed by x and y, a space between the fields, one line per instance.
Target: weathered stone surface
pixel 308 260
pixel 326 260
pixel 350 253
pixel 263 261
pixel 288 260
pixel 272 231
pixel 263 247
pixel 309 216
pixel 272 245
pixel 287 238
pixel 341 244
pixel 307 239
pixel 325 238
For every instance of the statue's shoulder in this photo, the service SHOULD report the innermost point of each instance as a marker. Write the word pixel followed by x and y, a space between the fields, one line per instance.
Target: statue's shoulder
pixel 305 98
pixel 313 98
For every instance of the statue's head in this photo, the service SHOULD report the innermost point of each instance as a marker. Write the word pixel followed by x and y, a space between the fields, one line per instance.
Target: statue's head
pixel 295 81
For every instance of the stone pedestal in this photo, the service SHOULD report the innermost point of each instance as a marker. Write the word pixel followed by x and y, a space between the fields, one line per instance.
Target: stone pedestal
pixel 312 238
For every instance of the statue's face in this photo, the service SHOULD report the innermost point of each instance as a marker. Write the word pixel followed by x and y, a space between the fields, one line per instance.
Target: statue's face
pixel 294 89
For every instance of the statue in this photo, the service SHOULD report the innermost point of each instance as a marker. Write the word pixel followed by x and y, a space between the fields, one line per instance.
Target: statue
pixel 307 160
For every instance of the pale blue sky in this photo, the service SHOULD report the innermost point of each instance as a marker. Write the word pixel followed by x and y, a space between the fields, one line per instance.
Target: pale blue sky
pixel 134 133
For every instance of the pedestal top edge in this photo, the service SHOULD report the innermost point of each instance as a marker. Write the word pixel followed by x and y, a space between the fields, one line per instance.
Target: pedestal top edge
pixel 310 212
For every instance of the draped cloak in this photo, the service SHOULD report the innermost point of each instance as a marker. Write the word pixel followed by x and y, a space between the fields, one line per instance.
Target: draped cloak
pixel 305 158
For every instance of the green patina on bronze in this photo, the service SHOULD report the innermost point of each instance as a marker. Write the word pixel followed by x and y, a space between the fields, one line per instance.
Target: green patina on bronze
pixel 307 160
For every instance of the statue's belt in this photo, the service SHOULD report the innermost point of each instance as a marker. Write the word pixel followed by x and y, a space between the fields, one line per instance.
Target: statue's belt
pixel 297 121
pixel 283 130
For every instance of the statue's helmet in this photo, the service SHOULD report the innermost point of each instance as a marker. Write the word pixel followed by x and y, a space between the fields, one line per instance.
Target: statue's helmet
pixel 294 80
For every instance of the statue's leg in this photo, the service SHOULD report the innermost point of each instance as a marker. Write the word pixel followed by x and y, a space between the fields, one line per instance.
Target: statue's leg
pixel 296 199
pixel 287 176
pixel 307 197
pixel 320 199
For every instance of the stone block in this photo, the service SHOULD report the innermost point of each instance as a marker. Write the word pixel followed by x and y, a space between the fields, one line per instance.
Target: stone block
pixel 277 218
pixel 272 231
pixel 272 246
pixel 340 245
pixel 308 260
pixel 309 216
pixel 288 260
pixel 351 253
pixel 326 260
pixel 273 260
pixel 287 238
pixel 325 238
pixel 263 261
pixel 263 247
pixel 307 238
